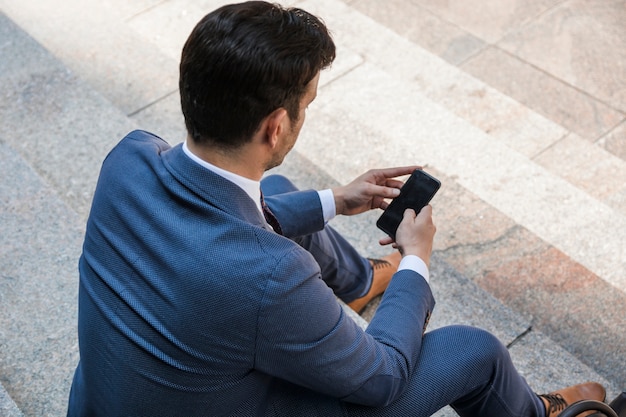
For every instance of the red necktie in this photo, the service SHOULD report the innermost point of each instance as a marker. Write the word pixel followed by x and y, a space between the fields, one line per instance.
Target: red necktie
pixel 270 218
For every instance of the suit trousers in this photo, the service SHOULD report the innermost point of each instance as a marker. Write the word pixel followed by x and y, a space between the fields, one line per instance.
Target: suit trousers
pixel 461 366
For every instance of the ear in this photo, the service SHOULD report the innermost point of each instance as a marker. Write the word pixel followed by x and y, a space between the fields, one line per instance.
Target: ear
pixel 275 126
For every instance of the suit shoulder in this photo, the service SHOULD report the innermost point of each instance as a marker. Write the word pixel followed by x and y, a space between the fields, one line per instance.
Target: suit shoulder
pixel 137 142
pixel 138 138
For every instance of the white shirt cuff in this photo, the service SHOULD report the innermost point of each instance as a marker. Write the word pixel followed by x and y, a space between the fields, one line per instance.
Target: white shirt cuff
pixel 415 263
pixel 327 198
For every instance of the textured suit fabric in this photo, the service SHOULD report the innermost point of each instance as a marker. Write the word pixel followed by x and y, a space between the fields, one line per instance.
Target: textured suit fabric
pixel 343 269
pixel 189 305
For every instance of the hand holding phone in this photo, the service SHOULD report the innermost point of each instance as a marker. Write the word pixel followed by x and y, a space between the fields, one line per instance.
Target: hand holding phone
pixel 416 193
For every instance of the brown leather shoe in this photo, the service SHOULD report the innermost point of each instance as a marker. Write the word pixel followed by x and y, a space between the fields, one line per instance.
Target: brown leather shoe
pixel 383 271
pixel 557 401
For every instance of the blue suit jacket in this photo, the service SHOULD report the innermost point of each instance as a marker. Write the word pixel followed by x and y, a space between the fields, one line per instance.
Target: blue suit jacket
pixel 188 306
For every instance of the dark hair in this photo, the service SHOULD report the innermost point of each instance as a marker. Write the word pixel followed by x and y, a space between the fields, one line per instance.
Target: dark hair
pixel 242 62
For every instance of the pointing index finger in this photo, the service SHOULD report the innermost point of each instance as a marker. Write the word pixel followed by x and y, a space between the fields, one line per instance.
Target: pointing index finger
pixel 398 171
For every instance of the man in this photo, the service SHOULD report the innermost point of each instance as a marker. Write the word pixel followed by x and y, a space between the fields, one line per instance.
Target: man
pixel 206 290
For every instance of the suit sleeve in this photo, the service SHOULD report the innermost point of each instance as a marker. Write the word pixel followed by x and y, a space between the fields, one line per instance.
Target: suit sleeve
pixel 305 337
pixel 299 212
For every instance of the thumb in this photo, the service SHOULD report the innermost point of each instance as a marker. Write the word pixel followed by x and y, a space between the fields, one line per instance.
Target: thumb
pixel 426 211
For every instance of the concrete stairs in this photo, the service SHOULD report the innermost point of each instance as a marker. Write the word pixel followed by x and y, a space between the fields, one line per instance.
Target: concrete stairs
pixel 76 76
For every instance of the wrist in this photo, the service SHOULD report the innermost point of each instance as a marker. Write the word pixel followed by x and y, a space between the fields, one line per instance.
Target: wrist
pixel 339 200
pixel 421 253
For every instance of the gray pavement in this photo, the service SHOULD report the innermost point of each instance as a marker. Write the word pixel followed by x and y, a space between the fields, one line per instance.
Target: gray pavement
pixel 7 407
pixel 105 70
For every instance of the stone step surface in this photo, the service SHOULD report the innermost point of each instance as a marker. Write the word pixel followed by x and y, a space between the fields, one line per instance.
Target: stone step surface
pixel 102 86
pixel 40 243
pixel 7 407
pixel 54 134
pixel 536 223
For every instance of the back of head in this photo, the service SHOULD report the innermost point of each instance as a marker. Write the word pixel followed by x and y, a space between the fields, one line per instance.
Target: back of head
pixel 242 62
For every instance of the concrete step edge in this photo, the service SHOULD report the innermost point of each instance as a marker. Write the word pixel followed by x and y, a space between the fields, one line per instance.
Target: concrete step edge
pixel 8 408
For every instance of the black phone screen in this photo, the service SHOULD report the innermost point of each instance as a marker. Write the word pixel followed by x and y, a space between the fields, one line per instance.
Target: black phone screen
pixel 416 193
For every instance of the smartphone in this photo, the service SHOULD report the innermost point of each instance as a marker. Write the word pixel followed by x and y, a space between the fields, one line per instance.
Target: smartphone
pixel 416 193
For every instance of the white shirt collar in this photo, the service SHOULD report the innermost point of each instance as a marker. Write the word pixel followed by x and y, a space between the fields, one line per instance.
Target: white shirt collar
pixel 251 187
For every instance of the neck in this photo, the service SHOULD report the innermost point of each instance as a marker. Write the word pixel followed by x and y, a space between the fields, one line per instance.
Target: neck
pixel 243 161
